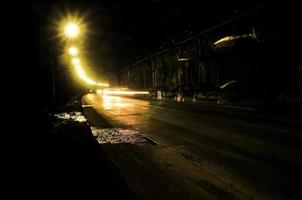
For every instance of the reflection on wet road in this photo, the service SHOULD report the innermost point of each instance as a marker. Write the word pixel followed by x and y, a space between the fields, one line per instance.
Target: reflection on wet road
pixel 126 110
pixel 243 142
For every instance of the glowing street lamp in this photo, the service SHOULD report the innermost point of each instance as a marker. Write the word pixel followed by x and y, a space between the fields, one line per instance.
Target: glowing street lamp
pixel 71 30
pixel 75 61
pixel 73 51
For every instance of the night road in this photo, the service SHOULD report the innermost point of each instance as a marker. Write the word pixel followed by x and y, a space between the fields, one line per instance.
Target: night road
pixel 154 99
pixel 203 151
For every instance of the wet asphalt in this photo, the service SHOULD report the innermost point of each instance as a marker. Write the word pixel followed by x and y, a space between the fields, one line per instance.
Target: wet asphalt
pixel 254 154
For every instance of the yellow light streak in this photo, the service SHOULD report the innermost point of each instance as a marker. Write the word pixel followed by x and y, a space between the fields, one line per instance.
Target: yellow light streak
pixel 119 92
pixel 75 61
pixel 73 51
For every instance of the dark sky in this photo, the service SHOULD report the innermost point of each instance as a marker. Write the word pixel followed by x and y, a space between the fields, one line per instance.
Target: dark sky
pixel 124 31
pixel 130 30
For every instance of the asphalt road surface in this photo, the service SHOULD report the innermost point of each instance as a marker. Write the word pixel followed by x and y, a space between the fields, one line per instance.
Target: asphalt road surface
pixel 203 151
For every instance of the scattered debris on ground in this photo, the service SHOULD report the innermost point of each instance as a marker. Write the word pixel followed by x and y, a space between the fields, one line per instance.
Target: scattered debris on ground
pixel 73 116
pixel 119 135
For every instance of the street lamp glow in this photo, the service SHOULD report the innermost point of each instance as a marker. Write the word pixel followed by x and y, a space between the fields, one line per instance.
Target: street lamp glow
pixel 103 84
pixel 73 51
pixel 117 92
pixel 83 76
pixel 71 30
pixel 75 61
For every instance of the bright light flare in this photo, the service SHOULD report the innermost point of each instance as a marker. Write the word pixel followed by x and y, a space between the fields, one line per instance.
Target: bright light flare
pixel 232 38
pixel 114 102
pixel 103 84
pixel 71 30
pixel 73 51
pixel 75 61
pixel 83 76
pixel 119 88
pixel 122 92
pixel 183 59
